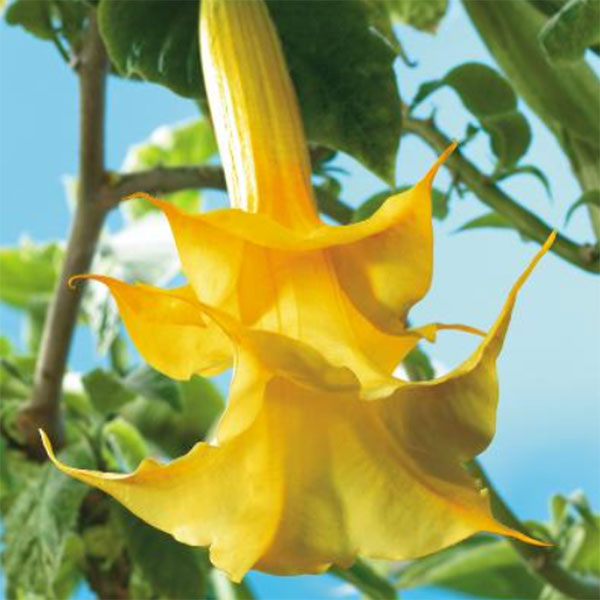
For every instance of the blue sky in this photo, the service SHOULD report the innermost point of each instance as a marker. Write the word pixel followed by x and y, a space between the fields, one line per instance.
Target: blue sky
pixel 549 416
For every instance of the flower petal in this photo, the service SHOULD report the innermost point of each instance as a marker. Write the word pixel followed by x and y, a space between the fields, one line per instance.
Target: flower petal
pixel 169 329
pixel 225 498
pixel 313 475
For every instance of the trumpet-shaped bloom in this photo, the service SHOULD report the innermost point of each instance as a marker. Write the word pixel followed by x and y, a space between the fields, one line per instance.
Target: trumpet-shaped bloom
pixel 317 475
pixel 322 454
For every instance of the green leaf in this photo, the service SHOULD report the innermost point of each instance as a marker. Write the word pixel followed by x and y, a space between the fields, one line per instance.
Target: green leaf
pixel 418 365
pixel 29 274
pixel 173 569
pixel 577 529
pixel 490 98
pixel 53 20
pixel 148 382
pixel 175 432
pixel 107 391
pixel 493 220
pixel 40 554
pixel 482 566
pixel 567 35
pixel 510 136
pixel 424 15
pixel 191 143
pixel 372 204
pixel 125 442
pixel 33 15
pixel 526 170
pixel 154 40
pixel 341 67
pixel 589 198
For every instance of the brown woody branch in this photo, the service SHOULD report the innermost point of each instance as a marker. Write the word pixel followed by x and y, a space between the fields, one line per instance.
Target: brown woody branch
pixel 43 409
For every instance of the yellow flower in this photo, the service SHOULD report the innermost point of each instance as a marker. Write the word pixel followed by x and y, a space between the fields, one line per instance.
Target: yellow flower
pixel 312 474
pixel 270 261
pixel 322 454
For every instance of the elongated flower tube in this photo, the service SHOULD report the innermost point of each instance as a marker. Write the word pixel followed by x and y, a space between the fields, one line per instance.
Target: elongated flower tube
pixel 322 454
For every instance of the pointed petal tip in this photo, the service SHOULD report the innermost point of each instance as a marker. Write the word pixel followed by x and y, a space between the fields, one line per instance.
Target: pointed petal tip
pixel 442 158
pixel 74 279
pixel 527 539
pixel 160 204
pixel 48 446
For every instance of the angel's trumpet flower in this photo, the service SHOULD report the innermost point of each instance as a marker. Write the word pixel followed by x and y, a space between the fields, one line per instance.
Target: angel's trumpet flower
pixel 322 454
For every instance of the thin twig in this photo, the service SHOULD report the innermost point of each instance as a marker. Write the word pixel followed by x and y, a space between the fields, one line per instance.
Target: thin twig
pixel 530 225
pixel 542 562
pixel 43 409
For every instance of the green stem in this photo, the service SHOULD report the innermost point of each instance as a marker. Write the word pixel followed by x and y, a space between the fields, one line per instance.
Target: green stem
pixel 585 161
pixel 367 580
pixel 542 562
pixel 584 256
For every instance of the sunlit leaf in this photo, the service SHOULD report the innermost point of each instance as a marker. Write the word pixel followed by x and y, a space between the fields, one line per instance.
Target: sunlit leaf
pixel 29 274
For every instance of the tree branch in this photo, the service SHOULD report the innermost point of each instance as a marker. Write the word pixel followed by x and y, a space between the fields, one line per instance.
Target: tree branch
pixel 542 562
pixel 586 257
pixel 43 409
pixel 162 180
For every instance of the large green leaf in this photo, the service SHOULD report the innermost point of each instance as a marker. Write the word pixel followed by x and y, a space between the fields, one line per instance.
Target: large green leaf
pixel 483 567
pixel 192 143
pixel 567 35
pixel 489 97
pixel 42 552
pixel 29 273
pixel 341 66
pixel 174 570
